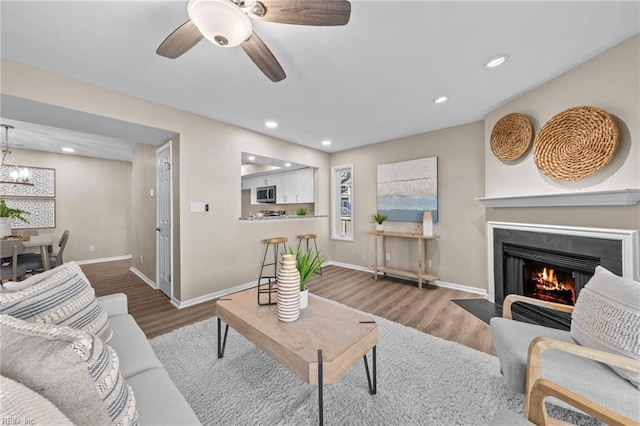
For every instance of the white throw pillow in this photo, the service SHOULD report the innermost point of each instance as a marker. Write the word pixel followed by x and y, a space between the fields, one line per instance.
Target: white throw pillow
pixel 63 296
pixel 73 369
pixel 607 317
pixel 28 406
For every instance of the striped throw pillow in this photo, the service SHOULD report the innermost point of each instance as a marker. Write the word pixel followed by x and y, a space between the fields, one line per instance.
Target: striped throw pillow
pixel 64 297
pixel 73 369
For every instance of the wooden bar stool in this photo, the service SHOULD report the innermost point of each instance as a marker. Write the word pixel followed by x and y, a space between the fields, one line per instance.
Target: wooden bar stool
pixel 268 288
pixel 308 237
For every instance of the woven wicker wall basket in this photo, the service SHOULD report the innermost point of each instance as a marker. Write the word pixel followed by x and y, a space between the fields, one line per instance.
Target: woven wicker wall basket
pixel 511 137
pixel 576 143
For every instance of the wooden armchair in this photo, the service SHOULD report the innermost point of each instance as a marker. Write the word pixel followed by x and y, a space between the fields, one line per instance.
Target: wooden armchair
pixel 537 415
pixel 582 377
pixel 539 388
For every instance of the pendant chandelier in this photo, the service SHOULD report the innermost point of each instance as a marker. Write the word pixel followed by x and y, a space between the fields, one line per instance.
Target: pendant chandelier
pixel 9 171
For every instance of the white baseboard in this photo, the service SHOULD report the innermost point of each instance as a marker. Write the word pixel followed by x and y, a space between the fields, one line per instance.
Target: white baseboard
pixel 348 266
pixel 200 299
pixel 205 298
pixel 439 283
pixel 144 278
pixel 104 259
pixel 468 289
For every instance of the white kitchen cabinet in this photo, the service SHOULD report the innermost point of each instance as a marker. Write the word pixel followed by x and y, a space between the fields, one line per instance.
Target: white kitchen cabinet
pixel 295 187
pixel 266 180
pixel 303 188
pixel 286 189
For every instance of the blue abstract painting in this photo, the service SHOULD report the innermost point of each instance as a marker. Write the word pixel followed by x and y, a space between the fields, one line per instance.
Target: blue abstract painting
pixel 407 189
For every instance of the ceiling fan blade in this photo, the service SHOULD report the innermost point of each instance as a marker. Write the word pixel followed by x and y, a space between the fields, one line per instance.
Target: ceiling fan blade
pixel 260 54
pixel 180 41
pixel 305 12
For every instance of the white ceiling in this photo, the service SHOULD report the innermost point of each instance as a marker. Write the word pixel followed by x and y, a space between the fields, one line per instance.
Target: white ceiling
pixel 43 127
pixel 372 80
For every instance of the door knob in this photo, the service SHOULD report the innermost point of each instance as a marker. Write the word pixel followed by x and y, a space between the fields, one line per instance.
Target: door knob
pixel 158 229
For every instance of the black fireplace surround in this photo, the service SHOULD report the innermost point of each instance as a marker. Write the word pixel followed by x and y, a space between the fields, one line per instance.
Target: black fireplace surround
pixel 577 256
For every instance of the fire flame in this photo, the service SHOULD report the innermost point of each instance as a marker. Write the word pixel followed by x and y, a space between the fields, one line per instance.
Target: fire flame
pixel 547 280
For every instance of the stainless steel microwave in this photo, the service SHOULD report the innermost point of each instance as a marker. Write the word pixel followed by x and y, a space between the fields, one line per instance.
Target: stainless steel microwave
pixel 266 194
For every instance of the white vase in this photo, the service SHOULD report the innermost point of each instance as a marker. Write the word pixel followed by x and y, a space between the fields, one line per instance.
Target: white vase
pixel 5 227
pixel 304 299
pixel 288 290
pixel 427 223
pixel 380 227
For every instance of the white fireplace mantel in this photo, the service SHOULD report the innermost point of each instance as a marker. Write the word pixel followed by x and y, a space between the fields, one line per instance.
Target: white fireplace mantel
pixel 630 239
pixel 620 197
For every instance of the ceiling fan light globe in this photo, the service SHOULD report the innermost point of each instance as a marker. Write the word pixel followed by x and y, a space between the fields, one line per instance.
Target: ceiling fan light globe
pixel 220 20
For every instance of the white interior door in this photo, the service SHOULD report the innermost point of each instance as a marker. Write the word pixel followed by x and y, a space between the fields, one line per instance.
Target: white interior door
pixel 163 189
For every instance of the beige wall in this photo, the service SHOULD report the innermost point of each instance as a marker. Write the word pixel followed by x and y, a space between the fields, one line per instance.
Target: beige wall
pixel 467 169
pixel 143 214
pixel 93 201
pixel 610 81
pixel 458 256
pixel 216 250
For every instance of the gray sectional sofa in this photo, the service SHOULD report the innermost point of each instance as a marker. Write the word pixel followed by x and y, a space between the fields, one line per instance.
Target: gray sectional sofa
pixel 158 400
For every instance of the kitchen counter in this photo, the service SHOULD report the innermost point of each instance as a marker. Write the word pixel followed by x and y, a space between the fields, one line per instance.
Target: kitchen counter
pixel 285 217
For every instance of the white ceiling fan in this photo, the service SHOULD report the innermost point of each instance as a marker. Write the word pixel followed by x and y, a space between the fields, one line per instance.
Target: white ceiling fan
pixel 227 24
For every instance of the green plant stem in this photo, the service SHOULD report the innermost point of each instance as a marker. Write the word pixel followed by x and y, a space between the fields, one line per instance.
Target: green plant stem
pixel 307 263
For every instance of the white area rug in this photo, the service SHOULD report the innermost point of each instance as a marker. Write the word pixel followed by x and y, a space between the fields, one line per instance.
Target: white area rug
pixel 422 380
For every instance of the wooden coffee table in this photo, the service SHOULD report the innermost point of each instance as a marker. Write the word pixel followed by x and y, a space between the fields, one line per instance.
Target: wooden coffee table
pixel 319 347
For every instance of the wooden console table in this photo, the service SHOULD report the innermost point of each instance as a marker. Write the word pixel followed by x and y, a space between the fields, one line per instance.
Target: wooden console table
pixel 420 274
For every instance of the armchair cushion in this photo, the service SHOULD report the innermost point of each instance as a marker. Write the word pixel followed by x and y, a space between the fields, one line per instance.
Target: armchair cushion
pixel 607 317
pixel 511 340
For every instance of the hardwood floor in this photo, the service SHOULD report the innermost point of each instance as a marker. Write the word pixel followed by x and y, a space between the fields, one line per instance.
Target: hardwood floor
pixel 429 310
pixel 152 310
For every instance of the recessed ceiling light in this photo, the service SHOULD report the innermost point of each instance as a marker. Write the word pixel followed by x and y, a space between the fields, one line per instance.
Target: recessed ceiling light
pixel 251 158
pixel 66 149
pixel 440 100
pixel 326 143
pixel 495 61
pixel 287 164
pixel 271 124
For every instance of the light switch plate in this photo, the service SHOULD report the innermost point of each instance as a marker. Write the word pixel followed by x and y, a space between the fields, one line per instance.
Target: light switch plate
pixel 198 207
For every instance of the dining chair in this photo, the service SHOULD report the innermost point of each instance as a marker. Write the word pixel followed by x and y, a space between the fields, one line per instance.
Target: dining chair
pixel 11 269
pixel 33 261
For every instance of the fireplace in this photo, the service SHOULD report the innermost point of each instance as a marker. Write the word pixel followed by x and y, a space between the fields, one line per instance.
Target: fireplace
pixel 553 263
pixel 551 275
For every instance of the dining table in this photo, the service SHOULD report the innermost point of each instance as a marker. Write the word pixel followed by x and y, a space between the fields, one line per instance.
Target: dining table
pixel 43 242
